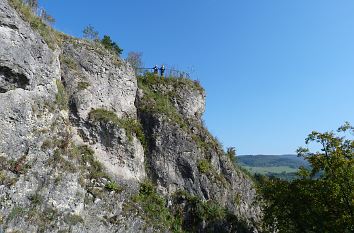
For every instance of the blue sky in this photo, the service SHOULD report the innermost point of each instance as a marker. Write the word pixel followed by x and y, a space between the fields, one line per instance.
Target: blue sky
pixel 273 70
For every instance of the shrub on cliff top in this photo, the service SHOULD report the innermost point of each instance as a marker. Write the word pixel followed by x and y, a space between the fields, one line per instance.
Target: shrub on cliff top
pixel 111 45
pixel 151 80
pixel 154 101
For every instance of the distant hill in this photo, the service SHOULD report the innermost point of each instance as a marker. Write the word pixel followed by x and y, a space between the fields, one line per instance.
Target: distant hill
pixel 281 166
pixel 292 161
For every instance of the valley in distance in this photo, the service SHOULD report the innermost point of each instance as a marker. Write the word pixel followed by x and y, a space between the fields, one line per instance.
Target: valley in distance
pixel 280 166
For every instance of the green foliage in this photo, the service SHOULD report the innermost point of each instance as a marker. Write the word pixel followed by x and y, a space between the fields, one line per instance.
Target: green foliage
pixel 321 200
pixel 131 126
pixel 160 96
pixel 83 85
pixel 231 153
pixel 204 166
pixel 2 177
pixel 110 45
pixel 104 116
pixel 206 214
pixel 113 186
pixel 154 101
pixel 207 211
pixel 237 199
pixel 68 61
pixel 51 37
pixel 36 199
pixel 61 97
pixel 150 81
pixel 89 162
pixel 155 210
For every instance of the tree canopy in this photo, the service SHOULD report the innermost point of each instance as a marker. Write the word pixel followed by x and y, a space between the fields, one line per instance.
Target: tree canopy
pixel 111 45
pixel 322 199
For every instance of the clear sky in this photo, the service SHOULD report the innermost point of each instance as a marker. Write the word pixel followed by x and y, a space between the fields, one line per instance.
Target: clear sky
pixel 273 70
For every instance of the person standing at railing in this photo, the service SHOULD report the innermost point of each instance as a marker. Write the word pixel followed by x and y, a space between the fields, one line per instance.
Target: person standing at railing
pixel 162 70
pixel 156 70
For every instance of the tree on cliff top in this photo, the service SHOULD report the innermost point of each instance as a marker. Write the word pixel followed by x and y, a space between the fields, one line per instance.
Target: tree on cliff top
pixel 322 204
pixel 90 33
pixel 111 45
pixel 135 59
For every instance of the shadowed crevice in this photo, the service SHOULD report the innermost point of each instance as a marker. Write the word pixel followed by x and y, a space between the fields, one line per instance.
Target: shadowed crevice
pixel 9 25
pixel 10 80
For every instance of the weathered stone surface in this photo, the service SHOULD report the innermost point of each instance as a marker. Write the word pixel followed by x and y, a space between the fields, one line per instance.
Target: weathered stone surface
pixel 122 156
pixel 61 171
pixel 28 70
pixel 174 158
pixel 97 79
pixel 190 102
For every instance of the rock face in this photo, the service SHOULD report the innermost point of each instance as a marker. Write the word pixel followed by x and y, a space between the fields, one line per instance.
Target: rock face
pixel 28 70
pixel 182 155
pixel 85 146
pixel 95 80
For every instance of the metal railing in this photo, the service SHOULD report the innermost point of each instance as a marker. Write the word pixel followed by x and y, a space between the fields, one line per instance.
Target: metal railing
pixel 168 73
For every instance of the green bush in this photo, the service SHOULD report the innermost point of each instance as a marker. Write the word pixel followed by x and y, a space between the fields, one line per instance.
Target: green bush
pixel 151 80
pixel 113 186
pixel 154 101
pixel 200 212
pixel 68 61
pixel 36 199
pixel 155 210
pixel 83 85
pixel 111 45
pixel 204 166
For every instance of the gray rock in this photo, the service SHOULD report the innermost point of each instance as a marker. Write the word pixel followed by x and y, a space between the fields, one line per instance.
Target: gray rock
pixel 62 171
pixel 97 79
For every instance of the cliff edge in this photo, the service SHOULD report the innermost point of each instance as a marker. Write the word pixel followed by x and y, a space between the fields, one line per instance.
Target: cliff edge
pixel 86 146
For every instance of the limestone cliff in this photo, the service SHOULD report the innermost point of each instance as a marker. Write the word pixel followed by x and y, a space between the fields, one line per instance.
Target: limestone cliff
pixel 85 146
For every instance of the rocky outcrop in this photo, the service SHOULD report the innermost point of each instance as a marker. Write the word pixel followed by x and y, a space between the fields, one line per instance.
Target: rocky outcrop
pixel 97 80
pixel 183 156
pixel 85 146
pixel 28 70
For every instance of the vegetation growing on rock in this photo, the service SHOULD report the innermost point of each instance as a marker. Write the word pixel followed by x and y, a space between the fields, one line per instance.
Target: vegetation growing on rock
pixel 52 37
pixel 132 126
